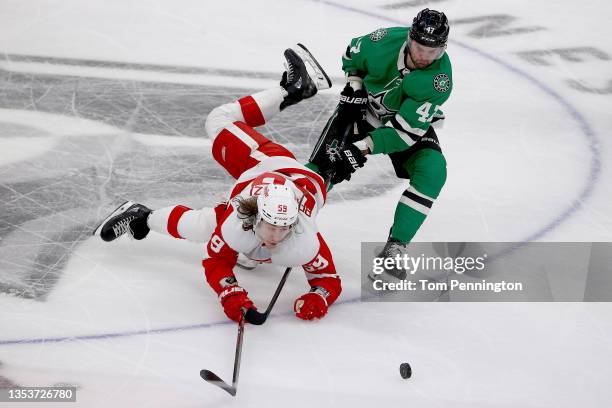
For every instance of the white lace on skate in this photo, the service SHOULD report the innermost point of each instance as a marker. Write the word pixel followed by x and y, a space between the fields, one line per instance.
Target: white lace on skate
pixel 290 69
pixel 123 226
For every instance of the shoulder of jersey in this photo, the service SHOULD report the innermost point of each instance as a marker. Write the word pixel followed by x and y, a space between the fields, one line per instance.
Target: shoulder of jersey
pixel 436 80
pixel 382 38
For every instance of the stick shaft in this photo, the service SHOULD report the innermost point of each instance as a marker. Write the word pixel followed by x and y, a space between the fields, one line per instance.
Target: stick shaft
pixel 238 355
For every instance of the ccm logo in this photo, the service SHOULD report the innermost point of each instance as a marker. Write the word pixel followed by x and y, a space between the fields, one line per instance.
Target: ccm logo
pixel 352 99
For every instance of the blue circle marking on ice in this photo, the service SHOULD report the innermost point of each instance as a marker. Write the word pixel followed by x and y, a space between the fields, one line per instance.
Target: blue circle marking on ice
pixel 585 193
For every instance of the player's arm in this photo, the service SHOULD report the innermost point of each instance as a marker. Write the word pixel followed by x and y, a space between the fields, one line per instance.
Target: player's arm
pixel 420 108
pixel 325 284
pixel 218 269
pixel 354 59
pixel 404 129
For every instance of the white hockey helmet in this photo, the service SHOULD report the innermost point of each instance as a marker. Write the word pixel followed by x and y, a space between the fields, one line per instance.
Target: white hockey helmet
pixel 277 205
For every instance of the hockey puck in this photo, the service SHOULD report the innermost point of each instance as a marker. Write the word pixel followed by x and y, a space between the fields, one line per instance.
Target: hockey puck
pixel 405 370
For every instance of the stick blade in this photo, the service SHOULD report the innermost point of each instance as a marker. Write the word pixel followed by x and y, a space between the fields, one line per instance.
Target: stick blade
pixel 254 317
pixel 214 379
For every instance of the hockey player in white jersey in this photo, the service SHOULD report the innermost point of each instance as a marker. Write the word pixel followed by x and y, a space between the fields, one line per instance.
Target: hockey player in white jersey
pixel 270 215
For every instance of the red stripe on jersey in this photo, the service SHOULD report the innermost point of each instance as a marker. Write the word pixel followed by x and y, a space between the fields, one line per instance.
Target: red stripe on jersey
pixel 220 210
pixel 306 184
pixel 223 216
pixel 308 173
pixel 239 187
pixel 323 264
pixel 251 112
pixel 173 220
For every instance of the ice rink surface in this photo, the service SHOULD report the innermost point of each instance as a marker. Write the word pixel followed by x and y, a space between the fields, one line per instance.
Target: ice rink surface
pixel 105 101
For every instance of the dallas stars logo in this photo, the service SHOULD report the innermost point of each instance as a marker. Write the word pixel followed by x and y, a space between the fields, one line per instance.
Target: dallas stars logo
pixel 332 150
pixel 441 83
pixel 377 105
pixel 378 34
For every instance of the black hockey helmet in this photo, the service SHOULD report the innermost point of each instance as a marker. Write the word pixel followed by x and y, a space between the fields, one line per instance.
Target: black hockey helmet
pixel 430 28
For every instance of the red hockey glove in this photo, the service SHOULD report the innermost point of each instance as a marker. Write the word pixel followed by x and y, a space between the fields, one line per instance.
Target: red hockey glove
pixel 234 299
pixel 310 306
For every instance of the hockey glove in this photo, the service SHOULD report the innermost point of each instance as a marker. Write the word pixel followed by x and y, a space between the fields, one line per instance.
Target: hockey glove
pixel 310 306
pixel 339 164
pixel 352 106
pixel 235 300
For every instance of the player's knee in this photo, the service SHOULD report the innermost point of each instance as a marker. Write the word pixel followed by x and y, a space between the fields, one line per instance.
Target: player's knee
pixel 430 174
pixel 221 117
pixel 214 123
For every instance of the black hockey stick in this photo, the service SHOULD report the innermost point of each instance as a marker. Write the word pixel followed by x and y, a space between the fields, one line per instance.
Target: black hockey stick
pixel 253 317
pixel 214 379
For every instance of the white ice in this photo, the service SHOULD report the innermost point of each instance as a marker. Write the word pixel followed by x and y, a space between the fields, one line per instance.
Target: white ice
pixel 520 167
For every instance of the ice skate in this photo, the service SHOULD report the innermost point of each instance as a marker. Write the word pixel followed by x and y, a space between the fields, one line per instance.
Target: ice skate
pixel 303 77
pixel 391 249
pixel 128 217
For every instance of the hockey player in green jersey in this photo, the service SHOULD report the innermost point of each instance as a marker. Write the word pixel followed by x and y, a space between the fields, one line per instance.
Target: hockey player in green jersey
pixel 397 80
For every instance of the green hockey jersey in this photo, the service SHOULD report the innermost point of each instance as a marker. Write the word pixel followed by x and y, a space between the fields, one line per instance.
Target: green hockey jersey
pixel 402 103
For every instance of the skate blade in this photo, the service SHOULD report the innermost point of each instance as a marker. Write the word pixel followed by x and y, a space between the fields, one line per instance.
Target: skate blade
pixel 118 210
pixel 315 70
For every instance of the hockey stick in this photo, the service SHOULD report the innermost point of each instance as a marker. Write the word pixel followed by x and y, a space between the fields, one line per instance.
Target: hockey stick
pixel 214 379
pixel 253 317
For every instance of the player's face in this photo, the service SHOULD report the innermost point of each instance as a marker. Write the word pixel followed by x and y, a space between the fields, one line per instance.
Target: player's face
pixel 271 235
pixel 423 56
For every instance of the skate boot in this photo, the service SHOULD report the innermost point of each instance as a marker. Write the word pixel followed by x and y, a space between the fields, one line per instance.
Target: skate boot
pixel 392 248
pixel 128 217
pixel 303 76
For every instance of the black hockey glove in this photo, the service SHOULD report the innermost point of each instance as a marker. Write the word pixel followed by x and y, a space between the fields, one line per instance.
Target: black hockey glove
pixel 339 164
pixel 352 106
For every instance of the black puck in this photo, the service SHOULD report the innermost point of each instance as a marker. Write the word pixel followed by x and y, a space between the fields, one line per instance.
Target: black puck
pixel 405 370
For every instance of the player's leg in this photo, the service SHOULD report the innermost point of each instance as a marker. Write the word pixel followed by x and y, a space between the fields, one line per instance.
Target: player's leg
pixel 177 221
pixel 182 222
pixel 237 146
pixel 427 169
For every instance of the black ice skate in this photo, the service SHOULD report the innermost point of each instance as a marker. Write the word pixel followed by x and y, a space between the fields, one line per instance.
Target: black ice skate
pixel 128 217
pixel 392 248
pixel 303 77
